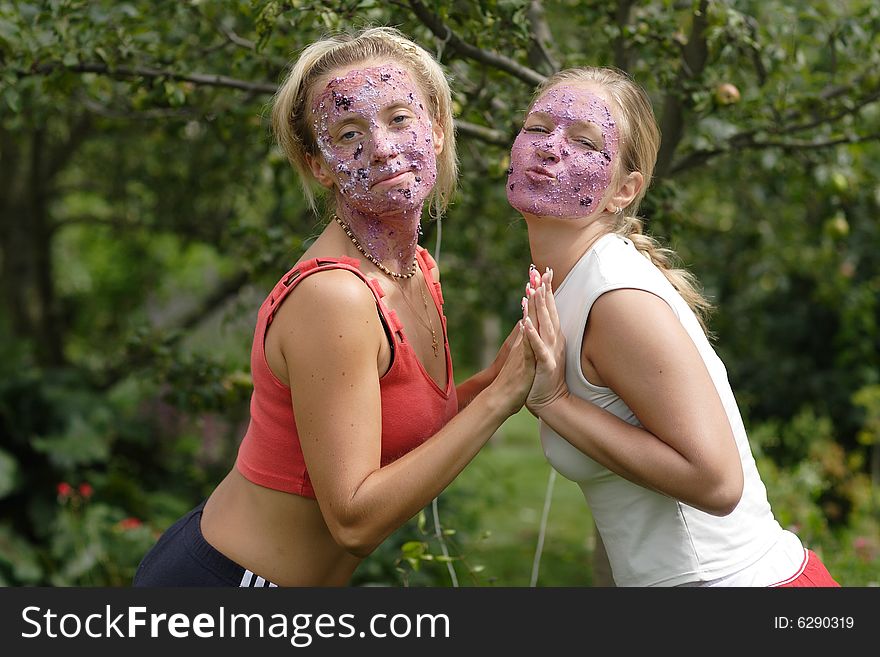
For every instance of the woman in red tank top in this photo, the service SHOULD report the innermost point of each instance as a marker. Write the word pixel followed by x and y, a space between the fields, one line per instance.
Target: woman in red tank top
pixel 356 423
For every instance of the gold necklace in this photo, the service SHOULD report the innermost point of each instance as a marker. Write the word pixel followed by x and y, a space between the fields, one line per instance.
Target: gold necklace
pixel 435 344
pixel 372 258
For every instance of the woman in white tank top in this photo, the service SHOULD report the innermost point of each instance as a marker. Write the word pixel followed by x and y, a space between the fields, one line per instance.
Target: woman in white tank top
pixel 634 404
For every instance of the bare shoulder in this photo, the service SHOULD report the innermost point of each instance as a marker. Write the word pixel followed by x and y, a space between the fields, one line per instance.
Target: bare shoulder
pixel 632 311
pixel 330 314
pixel 328 296
pixel 630 331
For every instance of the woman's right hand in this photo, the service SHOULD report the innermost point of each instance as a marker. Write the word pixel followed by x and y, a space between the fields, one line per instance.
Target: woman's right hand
pixel 548 345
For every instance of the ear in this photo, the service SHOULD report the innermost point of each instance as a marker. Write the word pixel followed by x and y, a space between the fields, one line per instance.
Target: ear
pixel 439 136
pixel 627 190
pixel 319 170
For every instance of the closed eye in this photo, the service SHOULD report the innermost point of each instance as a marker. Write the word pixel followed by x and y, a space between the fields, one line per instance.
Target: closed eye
pixel 535 128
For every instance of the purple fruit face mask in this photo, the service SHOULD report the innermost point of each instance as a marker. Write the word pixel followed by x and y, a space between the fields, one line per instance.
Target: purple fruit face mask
pixel 563 160
pixel 375 133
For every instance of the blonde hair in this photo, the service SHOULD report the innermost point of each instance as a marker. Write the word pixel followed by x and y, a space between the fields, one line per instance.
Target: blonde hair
pixel 291 111
pixel 639 142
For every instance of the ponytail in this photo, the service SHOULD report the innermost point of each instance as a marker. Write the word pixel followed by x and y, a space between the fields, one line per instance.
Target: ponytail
pixel 684 282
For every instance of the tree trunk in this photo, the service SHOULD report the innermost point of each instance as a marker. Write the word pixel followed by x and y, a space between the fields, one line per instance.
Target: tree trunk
pixel 28 288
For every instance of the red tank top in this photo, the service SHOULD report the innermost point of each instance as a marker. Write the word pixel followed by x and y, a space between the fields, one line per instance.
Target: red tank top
pixel 414 407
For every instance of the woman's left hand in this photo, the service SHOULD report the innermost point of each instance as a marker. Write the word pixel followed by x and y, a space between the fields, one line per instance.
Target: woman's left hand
pixel 503 353
pixel 548 344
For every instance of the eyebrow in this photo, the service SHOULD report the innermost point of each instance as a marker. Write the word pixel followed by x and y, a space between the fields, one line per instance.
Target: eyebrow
pixel 348 117
pixel 394 104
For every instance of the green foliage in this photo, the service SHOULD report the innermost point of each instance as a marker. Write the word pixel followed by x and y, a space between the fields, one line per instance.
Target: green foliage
pixel 144 213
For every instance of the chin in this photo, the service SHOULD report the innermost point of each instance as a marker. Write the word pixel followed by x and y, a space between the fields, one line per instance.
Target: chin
pixel 518 203
pixel 396 202
pixel 532 209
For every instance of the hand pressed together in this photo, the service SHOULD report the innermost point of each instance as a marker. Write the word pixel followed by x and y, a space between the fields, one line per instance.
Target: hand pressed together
pixel 514 380
pixel 547 342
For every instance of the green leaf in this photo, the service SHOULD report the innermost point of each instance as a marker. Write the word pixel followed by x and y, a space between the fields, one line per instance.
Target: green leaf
pixel 80 444
pixel 19 556
pixel 413 548
pixel 8 473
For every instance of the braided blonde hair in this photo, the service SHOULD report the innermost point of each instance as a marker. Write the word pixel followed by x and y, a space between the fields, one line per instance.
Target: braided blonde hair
pixel 291 113
pixel 639 144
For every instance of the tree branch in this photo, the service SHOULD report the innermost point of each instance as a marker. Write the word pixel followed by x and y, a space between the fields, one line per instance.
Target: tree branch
pixel 697 158
pixel 202 79
pixel 539 52
pixel 157 113
pixel 218 296
pixel 746 139
pixel 224 291
pixel 61 153
pixel 453 41
pixel 484 134
pixel 621 17
pixel 9 166
pixel 694 57
pixel 755 53
pixel 831 118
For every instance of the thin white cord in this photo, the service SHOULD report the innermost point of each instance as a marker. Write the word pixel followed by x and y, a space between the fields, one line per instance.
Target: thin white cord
pixel 437 245
pixel 438 531
pixel 540 548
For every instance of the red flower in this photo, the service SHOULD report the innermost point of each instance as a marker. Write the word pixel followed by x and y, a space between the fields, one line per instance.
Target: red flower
pixel 64 489
pixel 130 523
pixel 86 490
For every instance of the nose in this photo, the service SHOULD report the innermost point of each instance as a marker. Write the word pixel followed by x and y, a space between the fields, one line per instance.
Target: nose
pixel 548 149
pixel 384 147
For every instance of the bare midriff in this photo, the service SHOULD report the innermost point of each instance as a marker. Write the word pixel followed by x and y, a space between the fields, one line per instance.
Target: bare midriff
pixel 277 535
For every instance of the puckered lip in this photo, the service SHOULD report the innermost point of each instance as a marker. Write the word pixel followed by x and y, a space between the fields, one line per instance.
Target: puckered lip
pixel 540 171
pixel 390 177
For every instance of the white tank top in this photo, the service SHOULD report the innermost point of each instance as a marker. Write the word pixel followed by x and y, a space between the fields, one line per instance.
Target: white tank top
pixel 652 539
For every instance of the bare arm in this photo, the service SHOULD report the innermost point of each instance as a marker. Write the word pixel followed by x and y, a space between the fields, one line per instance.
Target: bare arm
pixel 686 449
pixel 474 385
pixel 331 337
pixel 470 388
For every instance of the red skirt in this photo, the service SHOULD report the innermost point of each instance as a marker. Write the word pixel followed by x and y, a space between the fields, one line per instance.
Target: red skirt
pixel 811 573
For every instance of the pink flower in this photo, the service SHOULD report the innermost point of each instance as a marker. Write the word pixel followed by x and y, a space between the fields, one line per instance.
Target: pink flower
pixel 863 548
pixel 64 489
pixel 86 490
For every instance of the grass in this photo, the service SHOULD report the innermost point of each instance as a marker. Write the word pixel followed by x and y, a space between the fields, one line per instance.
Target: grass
pixel 499 498
pixel 495 508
